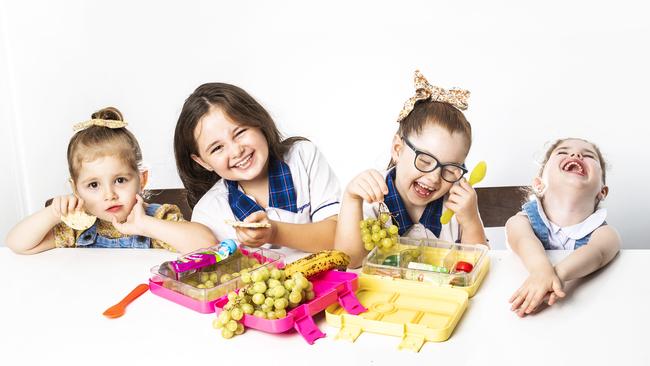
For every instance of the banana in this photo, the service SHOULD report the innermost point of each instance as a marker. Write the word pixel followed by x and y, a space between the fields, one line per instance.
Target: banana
pixel 318 262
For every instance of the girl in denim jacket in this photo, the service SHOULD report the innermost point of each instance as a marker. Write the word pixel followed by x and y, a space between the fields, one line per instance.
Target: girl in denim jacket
pixel 564 215
pixel 106 176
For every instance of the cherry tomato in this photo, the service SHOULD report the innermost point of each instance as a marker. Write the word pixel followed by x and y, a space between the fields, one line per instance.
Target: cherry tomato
pixel 464 267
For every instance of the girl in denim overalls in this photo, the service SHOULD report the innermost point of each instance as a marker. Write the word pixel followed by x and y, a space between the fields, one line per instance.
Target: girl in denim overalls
pixel 564 215
pixel 105 164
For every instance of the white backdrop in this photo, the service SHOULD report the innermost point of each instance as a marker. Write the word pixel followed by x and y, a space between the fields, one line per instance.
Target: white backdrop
pixel 336 72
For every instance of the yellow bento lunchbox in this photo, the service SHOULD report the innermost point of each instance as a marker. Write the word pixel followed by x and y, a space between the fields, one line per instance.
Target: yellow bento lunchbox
pixel 414 291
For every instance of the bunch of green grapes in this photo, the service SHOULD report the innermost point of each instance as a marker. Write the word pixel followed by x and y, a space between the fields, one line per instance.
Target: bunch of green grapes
pixel 378 232
pixel 267 294
pixel 212 279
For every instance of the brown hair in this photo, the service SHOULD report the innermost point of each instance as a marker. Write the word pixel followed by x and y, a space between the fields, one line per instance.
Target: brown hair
pixel 437 113
pixel 97 141
pixel 239 106
pixel 554 145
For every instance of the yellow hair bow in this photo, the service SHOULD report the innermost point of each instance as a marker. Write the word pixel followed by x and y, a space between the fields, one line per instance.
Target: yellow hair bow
pixel 98 122
pixel 425 91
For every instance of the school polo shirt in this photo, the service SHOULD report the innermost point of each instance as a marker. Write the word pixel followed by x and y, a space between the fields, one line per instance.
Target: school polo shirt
pixel 316 187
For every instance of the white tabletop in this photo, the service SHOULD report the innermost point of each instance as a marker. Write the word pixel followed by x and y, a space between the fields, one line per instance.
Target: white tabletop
pixel 51 306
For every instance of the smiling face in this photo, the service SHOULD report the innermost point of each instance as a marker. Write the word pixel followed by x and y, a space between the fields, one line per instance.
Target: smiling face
pixel 233 151
pixel 108 187
pixel 418 188
pixel 573 164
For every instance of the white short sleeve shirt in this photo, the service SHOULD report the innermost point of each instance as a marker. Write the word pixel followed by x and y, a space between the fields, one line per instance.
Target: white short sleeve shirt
pixel 317 196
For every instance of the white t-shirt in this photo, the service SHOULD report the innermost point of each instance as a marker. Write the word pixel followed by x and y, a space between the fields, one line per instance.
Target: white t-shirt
pixel 317 196
pixel 448 232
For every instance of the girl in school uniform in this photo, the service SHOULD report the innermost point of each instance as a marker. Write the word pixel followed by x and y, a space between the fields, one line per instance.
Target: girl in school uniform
pixel 425 175
pixel 236 166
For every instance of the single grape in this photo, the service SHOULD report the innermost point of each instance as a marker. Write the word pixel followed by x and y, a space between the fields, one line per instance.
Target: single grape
pixel 369 246
pixel 258 299
pixel 270 314
pixel 200 285
pixel 393 230
pixel 214 277
pixel 225 278
pixel 384 217
pixel 231 325
pixel 289 284
pixel 376 237
pixel 216 323
pixel 366 238
pixel 279 292
pixel 259 287
pixel 246 277
pixel 386 243
pixel 276 274
pixel 269 301
pixel 280 304
pixel 237 313
pixel 309 295
pixel 295 297
pixel 375 228
pixel 232 296
pixel 272 282
pixel 280 313
pixel 259 314
pixel 383 233
pixel 226 333
pixel 224 317
pixel 240 329
pixel 247 309
pixel 257 276
pixel 301 283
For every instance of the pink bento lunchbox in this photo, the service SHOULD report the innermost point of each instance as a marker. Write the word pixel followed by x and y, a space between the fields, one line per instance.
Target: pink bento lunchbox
pixel 203 300
pixel 329 287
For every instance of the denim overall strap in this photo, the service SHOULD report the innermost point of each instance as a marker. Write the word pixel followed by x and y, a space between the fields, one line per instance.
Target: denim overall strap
pixel 585 240
pixel 536 222
pixel 90 238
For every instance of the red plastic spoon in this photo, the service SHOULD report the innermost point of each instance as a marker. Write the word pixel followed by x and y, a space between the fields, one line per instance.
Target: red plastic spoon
pixel 118 309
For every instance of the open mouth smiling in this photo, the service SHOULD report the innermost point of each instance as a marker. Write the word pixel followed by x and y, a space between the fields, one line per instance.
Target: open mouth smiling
pixel 575 166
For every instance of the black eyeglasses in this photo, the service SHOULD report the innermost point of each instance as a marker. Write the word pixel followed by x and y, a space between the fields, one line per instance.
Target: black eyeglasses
pixel 426 163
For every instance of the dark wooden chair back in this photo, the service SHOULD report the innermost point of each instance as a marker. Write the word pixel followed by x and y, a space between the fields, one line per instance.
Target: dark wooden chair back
pixel 176 196
pixel 497 204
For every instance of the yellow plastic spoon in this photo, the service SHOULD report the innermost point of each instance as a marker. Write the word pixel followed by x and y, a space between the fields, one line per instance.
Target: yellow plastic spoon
pixel 477 175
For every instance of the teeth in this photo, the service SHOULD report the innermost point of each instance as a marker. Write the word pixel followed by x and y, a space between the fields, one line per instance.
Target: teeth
pixel 424 186
pixel 243 162
pixel 570 165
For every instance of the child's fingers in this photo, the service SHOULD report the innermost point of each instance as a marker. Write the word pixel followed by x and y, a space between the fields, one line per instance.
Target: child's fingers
pixel 256 216
pixel 557 289
pixel 552 298
pixel 379 180
pixel 535 301
pixel 516 304
pixel 72 203
pixel 80 204
pixel 524 306
pixel 368 191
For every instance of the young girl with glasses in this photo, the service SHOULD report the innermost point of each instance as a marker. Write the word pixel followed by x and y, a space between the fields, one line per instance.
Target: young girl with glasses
pixel 425 175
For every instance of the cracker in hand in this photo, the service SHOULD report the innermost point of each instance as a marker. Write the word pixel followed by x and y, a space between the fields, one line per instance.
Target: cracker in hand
pixel 248 225
pixel 79 220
